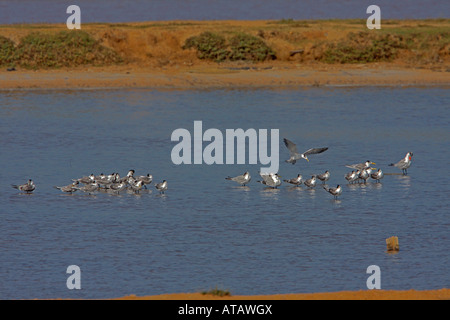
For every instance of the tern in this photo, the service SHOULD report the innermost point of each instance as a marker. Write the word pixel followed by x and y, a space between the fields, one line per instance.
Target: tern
pixel 86 180
pixel 129 175
pixel 71 188
pixel 135 185
pixel 324 176
pixel 404 164
pixel 295 181
pixel 117 187
pixel 363 174
pixel 311 183
pixel 89 188
pixel 295 155
pixel 145 179
pixel 351 176
pixel 242 179
pixel 162 186
pixel 334 191
pixel 377 175
pixel 360 166
pixel 271 180
pixel 28 187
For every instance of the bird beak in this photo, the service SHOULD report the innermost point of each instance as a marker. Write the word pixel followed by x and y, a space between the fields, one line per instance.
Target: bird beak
pixel 307 159
pixel 373 163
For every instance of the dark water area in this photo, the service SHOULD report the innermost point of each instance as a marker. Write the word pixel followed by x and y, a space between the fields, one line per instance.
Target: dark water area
pixel 206 231
pixel 54 11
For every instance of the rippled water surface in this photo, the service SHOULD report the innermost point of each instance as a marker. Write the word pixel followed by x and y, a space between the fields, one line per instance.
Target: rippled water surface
pixel 207 231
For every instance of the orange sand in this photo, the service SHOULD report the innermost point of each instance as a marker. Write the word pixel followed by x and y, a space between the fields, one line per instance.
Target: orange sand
pixel 442 294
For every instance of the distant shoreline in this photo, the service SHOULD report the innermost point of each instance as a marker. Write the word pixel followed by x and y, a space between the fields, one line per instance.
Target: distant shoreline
pixel 152 55
pixel 441 294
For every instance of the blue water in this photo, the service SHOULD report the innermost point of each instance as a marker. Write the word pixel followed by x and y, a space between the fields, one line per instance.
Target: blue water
pixel 207 231
pixel 54 11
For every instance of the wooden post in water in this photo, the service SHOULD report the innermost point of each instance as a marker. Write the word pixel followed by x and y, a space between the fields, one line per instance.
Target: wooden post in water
pixel 392 244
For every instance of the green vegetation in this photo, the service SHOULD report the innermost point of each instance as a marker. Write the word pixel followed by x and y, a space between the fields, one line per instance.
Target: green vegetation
pixel 248 47
pixel 6 51
pixel 209 46
pixel 364 47
pixel 241 46
pixel 63 49
pixel 217 292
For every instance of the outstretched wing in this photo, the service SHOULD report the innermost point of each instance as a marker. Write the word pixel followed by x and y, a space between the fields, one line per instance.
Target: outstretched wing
pixel 291 146
pixel 314 151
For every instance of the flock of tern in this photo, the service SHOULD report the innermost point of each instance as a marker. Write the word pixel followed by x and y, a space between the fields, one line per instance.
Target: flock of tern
pixel 361 172
pixel 114 183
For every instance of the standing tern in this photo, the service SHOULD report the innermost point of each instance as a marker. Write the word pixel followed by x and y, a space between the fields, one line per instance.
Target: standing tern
pixel 162 186
pixel 351 176
pixel 28 187
pixel 377 175
pixel 295 155
pixel 334 191
pixel 360 166
pixel 404 164
pixel 295 181
pixel 89 188
pixel 145 179
pixel 324 176
pixel 311 183
pixel 242 179
pixel 271 180
pixel 71 188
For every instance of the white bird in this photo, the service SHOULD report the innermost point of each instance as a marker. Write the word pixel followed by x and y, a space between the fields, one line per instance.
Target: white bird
pixel 129 175
pixel 242 179
pixel 162 186
pixel 135 185
pixel 363 174
pixel 311 183
pixel 377 175
pixel 295 181
pixel 145 179
pixel 271 179
pixel 351 176
pixel 324 176
pixel 28 187
pixel 404 164
pixel 295 155
pixel 334 191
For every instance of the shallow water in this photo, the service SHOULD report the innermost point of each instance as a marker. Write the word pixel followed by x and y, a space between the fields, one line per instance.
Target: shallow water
pixel 54 11
pixel 207 231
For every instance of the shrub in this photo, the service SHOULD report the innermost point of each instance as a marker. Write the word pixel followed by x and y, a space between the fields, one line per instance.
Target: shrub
pixel 242 46
pixel 364 47
pixel 209 46
pixel 248 47
pixel 63 49
pixel 6 51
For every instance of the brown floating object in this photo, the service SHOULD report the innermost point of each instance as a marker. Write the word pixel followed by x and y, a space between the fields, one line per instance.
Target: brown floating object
pixel 392 244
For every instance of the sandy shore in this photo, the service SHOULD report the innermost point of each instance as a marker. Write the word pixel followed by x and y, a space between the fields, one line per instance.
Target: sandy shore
pixel 442 294
pixel 214 76
pixel 154 56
